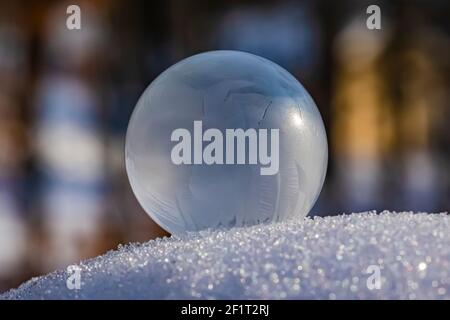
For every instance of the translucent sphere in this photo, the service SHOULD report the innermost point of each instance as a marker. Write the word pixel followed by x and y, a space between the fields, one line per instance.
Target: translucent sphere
pixel 223 139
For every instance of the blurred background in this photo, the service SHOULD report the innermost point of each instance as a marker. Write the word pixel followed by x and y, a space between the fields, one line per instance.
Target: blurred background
pixel 66 97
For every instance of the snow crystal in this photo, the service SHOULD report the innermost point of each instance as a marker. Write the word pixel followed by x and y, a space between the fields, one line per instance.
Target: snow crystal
pixel 311 258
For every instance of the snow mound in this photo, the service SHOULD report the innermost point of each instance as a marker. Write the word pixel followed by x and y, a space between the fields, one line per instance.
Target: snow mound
pixel 319 258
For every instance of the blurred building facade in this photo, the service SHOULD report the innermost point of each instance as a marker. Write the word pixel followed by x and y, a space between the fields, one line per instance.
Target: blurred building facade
pixel 66 97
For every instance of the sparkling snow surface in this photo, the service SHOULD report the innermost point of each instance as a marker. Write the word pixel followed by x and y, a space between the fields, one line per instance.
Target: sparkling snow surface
pixel 320 258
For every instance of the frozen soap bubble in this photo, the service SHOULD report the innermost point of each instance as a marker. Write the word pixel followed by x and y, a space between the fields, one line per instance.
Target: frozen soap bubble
pixel 225 139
